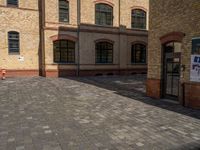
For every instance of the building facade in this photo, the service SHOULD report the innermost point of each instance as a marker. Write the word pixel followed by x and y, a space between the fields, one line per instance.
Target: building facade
pixel 19 33
pixel 174 51
pixel 102 34
pixel 75 37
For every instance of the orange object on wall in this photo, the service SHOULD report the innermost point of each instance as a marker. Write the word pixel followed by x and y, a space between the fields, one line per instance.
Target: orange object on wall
pixel 3 74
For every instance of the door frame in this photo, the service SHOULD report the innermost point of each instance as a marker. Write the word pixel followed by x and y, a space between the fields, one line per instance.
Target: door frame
pixel 164 74
pixel 175 36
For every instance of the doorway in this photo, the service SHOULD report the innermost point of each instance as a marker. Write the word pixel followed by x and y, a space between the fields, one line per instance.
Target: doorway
pixel 171 70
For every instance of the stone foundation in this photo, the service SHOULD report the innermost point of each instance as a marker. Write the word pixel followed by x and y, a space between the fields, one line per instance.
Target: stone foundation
pixel 21 73
pixel 98 72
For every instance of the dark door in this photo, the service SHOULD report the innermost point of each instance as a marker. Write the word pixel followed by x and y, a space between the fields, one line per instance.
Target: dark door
pixel 171 70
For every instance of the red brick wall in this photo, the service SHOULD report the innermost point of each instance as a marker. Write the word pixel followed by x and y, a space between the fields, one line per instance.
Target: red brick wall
pixel 21 73
pixel 154 88
pixel 192 95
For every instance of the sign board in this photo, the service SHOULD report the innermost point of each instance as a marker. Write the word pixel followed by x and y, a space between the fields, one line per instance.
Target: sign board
pixel 195 68
pixel 21 58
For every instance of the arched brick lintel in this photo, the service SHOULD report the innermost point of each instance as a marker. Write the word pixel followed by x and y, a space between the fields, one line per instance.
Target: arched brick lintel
pixel 172 36
pixel 104 40
pixel 104 1
pixel 139 7
pixel 63 37
pixel 139 42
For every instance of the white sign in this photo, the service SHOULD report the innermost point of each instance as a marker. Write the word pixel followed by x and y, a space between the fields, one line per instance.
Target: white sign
pixel 21 58
pixel 195 68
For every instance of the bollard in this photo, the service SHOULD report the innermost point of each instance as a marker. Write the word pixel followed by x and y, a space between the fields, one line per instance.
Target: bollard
pixel 3 74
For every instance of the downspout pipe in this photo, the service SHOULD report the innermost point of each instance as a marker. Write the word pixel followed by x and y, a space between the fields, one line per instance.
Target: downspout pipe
pixel 119 22
pixel 41 53
pixel 78 35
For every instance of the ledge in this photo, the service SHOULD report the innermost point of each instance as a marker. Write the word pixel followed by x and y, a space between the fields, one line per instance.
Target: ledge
pixel 192 83
pixel 62 64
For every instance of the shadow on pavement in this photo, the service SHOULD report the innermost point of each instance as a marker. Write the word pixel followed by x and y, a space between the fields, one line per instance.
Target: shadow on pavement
pixel 134 87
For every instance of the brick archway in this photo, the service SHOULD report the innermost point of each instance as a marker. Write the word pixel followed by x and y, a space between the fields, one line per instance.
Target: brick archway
pixel 104 1
pixel 139 7
pixel 63 37
pixel 172 36
pixel 104 40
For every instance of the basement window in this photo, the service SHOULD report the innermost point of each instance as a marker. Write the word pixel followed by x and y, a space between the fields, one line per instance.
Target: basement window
pixel 13 3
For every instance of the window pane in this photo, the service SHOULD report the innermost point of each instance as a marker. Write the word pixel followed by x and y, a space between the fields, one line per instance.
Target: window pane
pixel 104 52
pixel 138 19
pixel 13 42
pixel 63 11
pixel 56 56
pixel 64 51
pixel 63 44
pixel 138 53
pixel 64 55
pixel 71 44
pixel 104 14
pixel 196 46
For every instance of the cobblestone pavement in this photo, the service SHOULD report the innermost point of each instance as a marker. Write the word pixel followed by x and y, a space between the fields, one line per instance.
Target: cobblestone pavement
pixel 93 113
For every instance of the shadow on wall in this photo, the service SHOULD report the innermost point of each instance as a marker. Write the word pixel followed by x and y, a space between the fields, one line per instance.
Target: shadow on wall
pixel 73 69
pixel 62 71
pixel 134 88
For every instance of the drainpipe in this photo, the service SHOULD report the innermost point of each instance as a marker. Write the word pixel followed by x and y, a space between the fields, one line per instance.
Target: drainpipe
pixel 41 53
pixel 78 34
pixel 119 21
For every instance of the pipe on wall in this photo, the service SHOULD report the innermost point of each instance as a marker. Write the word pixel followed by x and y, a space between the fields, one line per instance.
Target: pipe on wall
pixel 78 35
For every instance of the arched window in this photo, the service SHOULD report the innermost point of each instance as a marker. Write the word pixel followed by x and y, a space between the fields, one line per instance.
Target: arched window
pixel 64 51
pixel 104 14
pixel 63 11
pixel 13 42
pixel 138 19
pixel 104 52
pixel 138 53
pixel 12 3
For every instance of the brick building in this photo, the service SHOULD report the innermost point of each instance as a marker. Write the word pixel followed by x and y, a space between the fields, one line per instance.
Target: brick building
pixel 174 41
pixel 73 37
pixel 19 25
